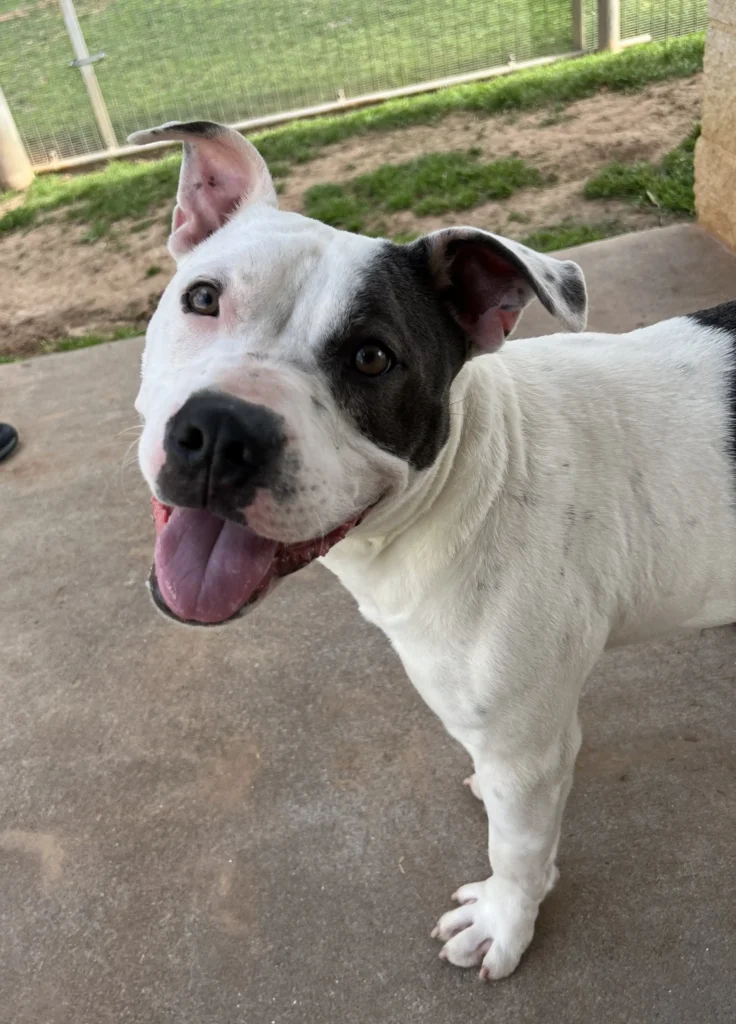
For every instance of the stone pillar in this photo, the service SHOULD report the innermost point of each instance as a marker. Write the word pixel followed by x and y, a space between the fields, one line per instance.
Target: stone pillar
pixel 715 153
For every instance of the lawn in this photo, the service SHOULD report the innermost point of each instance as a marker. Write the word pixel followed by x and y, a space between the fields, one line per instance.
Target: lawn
pixel 132 189
pixel 233 59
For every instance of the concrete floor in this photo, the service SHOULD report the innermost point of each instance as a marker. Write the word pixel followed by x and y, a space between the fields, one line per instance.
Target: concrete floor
pixel 262 824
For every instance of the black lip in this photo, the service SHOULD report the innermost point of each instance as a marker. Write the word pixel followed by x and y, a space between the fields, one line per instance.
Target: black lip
pixel 158 600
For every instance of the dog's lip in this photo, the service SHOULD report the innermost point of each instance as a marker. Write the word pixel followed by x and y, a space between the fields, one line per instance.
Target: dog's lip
pixel 287 559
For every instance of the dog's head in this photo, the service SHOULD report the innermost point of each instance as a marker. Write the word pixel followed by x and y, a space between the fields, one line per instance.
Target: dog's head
pixel 296 376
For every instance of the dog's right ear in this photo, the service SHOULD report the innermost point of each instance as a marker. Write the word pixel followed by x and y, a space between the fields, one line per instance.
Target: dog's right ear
pixel 220 171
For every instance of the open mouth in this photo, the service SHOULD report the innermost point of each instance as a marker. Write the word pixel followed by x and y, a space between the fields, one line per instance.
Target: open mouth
pixel 207 570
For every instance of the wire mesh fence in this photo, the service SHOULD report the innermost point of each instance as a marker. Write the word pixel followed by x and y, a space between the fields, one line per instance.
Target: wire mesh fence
pixel 232 60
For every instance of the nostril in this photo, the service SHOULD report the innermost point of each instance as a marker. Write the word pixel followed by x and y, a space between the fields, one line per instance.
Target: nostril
pixel 236 453
pixel 191 439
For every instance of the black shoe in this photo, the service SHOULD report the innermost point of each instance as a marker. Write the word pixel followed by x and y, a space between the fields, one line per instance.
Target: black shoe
pixel 8 440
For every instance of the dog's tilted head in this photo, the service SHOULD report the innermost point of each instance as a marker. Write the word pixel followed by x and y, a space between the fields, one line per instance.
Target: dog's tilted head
pixel 296 376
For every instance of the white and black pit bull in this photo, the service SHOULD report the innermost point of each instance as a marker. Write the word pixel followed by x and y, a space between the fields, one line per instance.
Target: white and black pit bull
pixel 503 518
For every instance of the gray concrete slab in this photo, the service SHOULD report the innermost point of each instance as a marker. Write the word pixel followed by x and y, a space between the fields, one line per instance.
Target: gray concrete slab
pixel 262 824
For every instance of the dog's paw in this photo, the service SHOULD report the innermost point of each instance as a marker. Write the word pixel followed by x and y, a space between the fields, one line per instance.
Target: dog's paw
pixel 472 783
pixel 492 926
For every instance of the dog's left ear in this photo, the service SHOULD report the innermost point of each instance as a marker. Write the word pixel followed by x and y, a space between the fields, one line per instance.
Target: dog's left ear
pixel 220 171
pixel 487 281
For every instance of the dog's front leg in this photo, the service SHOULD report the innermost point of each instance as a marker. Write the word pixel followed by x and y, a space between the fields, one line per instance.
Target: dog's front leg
pixel 525 797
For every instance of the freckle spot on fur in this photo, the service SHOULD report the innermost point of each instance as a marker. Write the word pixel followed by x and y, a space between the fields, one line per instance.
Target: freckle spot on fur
pixel 212 181
pixel 317 404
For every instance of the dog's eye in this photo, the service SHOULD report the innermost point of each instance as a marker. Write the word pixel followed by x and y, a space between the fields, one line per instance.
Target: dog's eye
pixel 372 360
pixel 203 297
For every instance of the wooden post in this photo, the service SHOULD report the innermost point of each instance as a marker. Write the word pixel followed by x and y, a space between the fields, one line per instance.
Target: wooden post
pixel 104 124
pixel 15 167
pixel 578 25
pixel 609 25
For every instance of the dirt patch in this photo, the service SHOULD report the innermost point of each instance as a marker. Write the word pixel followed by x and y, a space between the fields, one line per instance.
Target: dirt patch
pixel 571 143
pixel 62 287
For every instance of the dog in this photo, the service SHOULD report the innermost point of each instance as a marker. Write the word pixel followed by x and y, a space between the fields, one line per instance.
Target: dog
pixel 504 517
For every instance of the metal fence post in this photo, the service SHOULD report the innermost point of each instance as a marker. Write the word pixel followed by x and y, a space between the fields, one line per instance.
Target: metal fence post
pixel 578 25
pixel 609 25
pixel 15 167
pixel 87 71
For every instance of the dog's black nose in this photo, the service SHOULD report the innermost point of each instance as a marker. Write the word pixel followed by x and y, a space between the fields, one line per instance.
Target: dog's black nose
pixel 219 449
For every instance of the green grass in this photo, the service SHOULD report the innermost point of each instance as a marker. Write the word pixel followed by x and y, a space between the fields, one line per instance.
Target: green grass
pixel 431 184
pixel 89 340
pixel 124 189
pixel 553 237
pixel 565 235
pixel 99 199
pixel 668 185
pixel 233 59
pixel 555 84
pixel 84 341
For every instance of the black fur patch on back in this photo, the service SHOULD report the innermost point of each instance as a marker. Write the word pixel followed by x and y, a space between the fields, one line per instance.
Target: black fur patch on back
pixel 724 318
pixel 405 411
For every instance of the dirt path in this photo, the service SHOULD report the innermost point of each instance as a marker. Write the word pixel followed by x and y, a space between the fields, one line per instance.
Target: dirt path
pixel 63 288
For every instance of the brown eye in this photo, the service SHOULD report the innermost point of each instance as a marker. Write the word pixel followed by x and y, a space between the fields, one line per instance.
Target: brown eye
pixel 203 298
pixel 372 360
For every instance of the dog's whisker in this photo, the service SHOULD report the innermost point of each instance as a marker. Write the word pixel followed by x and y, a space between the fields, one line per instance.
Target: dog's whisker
pixel 126 430
pixel 128 460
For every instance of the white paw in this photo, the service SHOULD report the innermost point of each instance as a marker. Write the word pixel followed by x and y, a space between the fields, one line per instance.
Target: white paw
pixel 472 783
pixel 492 926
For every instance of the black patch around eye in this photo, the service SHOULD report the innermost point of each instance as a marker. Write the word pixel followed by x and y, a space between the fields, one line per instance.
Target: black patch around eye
pixel 406 411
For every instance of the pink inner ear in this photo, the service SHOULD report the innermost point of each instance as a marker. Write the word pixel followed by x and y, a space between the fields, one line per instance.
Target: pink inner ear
pixel 179 218
pixel 216 176
pixel 488 295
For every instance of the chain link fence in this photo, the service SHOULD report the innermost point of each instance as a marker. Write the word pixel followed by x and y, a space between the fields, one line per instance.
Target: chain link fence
pixel 235 60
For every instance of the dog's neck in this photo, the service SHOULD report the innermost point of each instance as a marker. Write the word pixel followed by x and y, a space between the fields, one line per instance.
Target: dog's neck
pixel 444 506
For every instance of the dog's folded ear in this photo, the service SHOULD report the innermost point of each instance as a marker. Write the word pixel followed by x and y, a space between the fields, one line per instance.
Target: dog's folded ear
pixel 487 281
pixel 220 172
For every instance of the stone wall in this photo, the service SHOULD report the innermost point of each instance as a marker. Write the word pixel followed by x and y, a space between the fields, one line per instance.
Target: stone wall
pixel 715 155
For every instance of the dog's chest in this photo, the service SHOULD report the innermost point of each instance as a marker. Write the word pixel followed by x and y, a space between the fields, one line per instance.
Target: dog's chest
pixel 429 628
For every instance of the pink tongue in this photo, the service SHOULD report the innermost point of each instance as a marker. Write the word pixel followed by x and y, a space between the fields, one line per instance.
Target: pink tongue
pixel 207 568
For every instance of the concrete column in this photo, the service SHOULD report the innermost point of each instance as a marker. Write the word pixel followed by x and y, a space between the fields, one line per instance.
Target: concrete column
pixel 715 153
pixel 578 24
pixel 609 25
pixel 15 167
